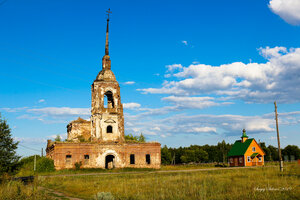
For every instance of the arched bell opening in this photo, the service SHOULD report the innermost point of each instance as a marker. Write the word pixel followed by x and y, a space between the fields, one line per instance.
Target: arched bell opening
pixel 109 100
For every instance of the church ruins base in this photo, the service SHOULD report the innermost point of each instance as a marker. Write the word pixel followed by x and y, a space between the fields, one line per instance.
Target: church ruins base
pixel 97 155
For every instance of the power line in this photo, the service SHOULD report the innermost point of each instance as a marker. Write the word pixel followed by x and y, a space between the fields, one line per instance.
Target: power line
pixel 29 148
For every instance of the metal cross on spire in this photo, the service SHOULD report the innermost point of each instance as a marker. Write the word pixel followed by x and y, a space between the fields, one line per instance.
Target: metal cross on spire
pixel 108 12
pixel 106 42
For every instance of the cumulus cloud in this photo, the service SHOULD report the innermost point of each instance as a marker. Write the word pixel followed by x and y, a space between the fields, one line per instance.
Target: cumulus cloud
pixel 131 105
pixel 229 125
pixel 277 79
pixel 288 10
pixel 41 100
pixel 129 83
pixel 172 68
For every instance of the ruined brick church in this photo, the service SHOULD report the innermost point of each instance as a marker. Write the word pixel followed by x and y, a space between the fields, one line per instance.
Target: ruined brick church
pixel 99 142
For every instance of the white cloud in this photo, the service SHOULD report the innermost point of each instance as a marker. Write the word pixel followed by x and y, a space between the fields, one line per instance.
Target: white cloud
pixel 129 83
pixel 157 111
pixel 275 138
pixel 26 116
pixel 13 109
pixel 41 101
pixel 156 128
pixel 272 52
pixel 30 140
pixel 184 42
pixel 131 105
pixel 288 10
pixel 277 79
pixel 204 130
pixel 61 111
pixel 62 136
pixel 171 68
pixel 183 102
pixel 229 125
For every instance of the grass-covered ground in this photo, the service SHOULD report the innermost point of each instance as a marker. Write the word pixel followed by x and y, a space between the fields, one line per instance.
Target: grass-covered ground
pixel 228 183
pixel 246 183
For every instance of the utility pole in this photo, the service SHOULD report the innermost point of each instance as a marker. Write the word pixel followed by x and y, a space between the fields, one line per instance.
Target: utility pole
pixel 34 164
pixel 42 154
pixel 278 139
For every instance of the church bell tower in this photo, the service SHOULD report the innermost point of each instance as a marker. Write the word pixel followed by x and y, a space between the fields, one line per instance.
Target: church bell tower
pixel 107 118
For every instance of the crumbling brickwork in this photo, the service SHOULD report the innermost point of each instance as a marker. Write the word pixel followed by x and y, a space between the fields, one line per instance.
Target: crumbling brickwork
pixel 97 155
pixel 79 130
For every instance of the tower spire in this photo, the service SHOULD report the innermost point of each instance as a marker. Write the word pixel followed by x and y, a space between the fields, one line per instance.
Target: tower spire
pixel 106 42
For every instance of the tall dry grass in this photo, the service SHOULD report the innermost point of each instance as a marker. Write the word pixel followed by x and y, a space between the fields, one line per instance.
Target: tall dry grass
pixel 249 183
pixel 14 190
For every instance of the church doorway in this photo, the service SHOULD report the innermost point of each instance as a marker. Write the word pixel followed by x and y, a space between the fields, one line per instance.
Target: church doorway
pixel 109 161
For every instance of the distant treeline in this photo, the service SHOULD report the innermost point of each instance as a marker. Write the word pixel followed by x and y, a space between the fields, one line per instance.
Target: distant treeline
pixel 218 153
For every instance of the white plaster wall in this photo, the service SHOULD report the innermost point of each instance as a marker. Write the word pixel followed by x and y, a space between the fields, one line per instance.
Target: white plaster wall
pixel 115 134
pixel 100 159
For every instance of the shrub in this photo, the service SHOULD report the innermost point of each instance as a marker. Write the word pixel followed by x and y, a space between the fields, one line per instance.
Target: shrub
pixel 78 165
pixel 45 165
pixel 104 196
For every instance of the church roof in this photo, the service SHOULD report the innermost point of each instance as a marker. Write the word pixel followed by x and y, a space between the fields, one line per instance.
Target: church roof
pixel 239 148
pixel 106 75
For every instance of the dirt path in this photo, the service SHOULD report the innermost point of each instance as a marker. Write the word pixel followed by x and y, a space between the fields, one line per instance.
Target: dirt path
pixel 153 172
pixel 56 194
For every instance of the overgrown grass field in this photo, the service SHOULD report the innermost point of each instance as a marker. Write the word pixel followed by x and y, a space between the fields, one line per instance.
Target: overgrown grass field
pixel 229 183
pixel 246 183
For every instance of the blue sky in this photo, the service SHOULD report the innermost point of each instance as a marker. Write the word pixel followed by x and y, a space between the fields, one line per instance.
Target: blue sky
pixel 191 72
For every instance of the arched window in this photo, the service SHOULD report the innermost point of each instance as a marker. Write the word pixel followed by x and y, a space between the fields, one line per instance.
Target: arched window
pixel 108 100
pixel 109 129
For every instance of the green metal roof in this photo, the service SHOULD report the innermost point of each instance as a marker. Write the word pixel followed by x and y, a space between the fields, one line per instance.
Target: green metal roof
pixel 253 155
pixel 239 148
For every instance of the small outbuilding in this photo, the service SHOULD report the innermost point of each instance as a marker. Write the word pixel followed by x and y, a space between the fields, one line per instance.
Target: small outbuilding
pixel 246 152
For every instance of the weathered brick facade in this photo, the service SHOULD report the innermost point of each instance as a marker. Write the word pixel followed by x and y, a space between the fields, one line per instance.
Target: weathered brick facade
pixel 100 143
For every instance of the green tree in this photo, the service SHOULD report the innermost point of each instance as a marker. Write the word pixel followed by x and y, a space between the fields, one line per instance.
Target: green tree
pixel 166 156
pixel 8 157
pixel 58 138
pixel 201 155
pixel 267 151
pixel 130 137
pixel 142 138
pixel 274 153
pixel 291 150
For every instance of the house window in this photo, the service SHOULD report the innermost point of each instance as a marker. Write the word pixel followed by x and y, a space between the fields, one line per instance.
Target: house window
pixel 132 159
pixel 148 160
pixel 86 159
pixel 253 149
pixel 68 159
pixel 231 160
pixel 248 159
pixel 109 129
pixel 240 159
pixel 259 159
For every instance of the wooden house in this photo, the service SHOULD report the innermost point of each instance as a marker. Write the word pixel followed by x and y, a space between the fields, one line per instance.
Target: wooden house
pixel 246 152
